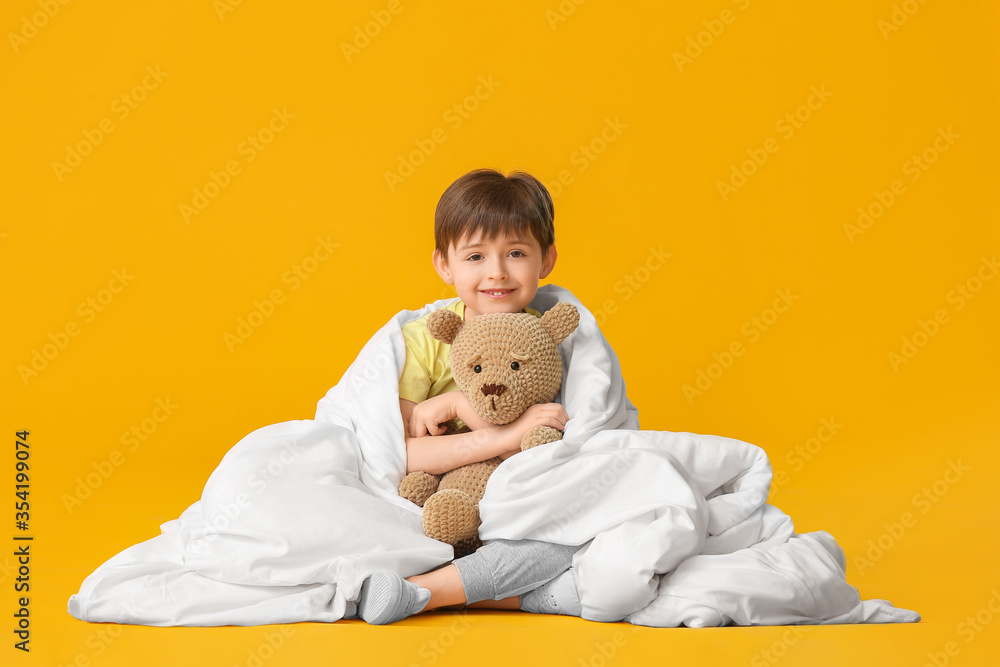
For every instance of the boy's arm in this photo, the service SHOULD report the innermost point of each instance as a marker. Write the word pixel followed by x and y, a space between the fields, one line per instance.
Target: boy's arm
pixel 425 418
pixel 436 454
pixel 464 410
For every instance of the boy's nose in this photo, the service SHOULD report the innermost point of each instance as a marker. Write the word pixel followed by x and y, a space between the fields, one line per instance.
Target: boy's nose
pixel 498 270
pixel 493 389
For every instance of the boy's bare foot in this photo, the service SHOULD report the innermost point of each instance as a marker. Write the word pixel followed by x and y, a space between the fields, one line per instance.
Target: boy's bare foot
pixel 448 592
pixel 444 584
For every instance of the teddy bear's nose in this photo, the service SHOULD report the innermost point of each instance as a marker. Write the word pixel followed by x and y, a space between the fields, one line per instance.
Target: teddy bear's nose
pixel 493 389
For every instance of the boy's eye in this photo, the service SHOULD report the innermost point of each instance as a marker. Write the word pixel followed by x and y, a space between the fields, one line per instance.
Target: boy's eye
pixel 478 368
pixel 477 256
pixel 514 365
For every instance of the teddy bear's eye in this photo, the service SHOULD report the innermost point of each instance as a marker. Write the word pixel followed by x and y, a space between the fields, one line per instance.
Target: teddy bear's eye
pixel 478 368
pixel 514 365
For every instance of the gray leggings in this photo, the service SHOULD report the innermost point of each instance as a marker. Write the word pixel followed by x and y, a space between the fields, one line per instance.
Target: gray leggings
pixel 504 568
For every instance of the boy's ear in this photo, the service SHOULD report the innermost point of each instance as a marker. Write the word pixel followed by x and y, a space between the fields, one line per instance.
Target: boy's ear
pixel 444 325
pixel 441 266
pixel 549 263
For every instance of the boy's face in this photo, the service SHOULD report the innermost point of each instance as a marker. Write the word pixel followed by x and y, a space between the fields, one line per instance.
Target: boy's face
pixel 509 266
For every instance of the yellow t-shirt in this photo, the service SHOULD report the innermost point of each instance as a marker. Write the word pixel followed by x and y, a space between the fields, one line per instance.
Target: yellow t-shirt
pixel 427 371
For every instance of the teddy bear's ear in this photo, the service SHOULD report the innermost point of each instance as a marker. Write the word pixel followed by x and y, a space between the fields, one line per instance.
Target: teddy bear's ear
pixel 444 325
pixel 560 321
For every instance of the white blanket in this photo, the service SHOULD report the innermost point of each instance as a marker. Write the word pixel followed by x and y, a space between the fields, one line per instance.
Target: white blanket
pixel 674 527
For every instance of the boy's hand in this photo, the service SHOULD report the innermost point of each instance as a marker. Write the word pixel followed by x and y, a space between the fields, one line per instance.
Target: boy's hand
pixel 428 416
pixel 542 414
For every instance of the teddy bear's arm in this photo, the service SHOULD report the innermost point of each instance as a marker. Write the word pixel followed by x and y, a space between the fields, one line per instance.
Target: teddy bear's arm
pixel 418 486
pixel 540 435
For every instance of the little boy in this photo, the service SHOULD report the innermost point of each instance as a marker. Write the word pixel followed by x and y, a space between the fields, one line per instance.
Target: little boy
pixel 495 240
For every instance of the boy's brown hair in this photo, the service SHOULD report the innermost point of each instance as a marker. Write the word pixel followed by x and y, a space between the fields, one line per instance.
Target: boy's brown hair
pixel 485 200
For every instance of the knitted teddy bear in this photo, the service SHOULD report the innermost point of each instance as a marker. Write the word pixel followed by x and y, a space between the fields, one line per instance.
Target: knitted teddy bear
pixel 504 363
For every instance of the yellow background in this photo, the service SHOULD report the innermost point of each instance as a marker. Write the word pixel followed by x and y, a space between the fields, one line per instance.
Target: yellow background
pixel 562 75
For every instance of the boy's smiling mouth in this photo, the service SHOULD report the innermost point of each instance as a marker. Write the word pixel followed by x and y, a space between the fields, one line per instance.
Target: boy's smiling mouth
pixel 496 294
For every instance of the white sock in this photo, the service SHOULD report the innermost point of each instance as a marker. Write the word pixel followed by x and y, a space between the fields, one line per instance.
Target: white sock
pixel 386 598
pixel 558 596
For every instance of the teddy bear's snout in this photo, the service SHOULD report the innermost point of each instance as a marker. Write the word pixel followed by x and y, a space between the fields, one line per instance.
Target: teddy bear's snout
pixel 493 389
pixel 493 392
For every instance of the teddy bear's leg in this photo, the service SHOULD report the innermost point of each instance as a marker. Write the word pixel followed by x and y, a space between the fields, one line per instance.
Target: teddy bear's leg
pixel 451 516
pixel 418 486
pixel 471 478
pixel 539 436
